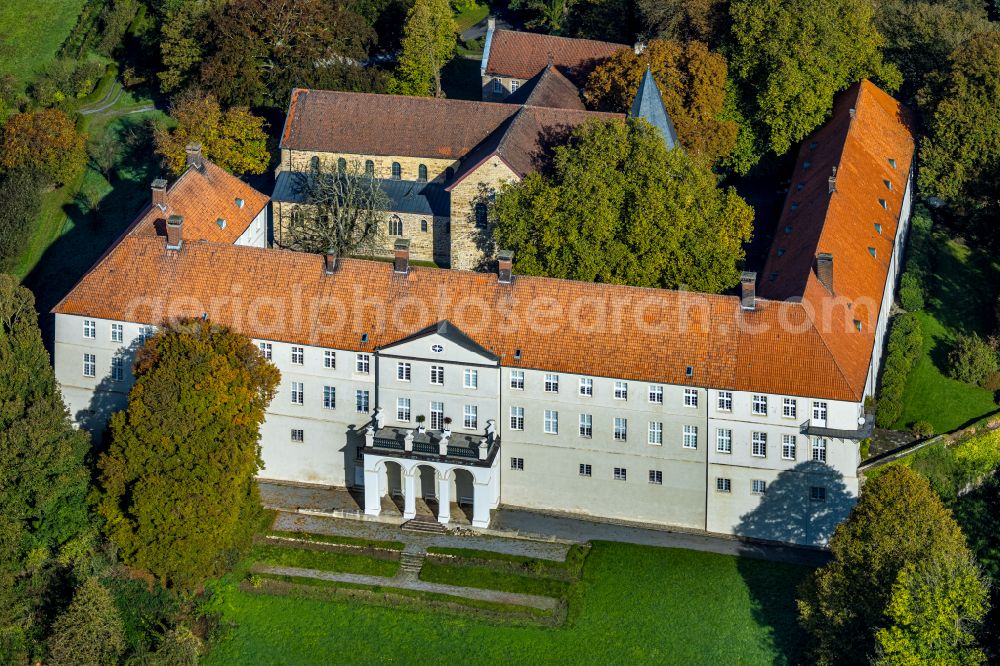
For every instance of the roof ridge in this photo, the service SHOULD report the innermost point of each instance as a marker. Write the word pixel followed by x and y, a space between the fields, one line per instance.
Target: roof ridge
pixel 559 37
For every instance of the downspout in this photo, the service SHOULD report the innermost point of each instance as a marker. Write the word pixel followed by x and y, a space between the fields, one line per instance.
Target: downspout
pixel 708 439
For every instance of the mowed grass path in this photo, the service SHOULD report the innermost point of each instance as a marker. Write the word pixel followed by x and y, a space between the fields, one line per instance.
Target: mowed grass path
pixel 32 31
pixel 635 605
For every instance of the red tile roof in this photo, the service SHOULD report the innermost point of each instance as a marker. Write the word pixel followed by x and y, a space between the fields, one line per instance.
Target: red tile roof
pixel 202 197
pixel 521 55
pixel 548 88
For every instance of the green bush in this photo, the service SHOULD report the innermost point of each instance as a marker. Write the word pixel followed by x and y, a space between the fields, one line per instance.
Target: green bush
pixel 972 360
pixel 905 343
pixel 865 448
pixel 922 429
pixel 911 292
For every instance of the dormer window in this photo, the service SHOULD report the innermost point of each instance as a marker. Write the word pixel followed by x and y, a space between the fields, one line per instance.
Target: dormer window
pixel 221 222
pixel 888 184
pixel 892 163
pixel 871 251
pixel 801 184
pixel 781 251
pixel 878 227
pixel 883 203
pixel 788 229
pixel 239 203
pixel 857 325
pixel 806 164
pixel 795 205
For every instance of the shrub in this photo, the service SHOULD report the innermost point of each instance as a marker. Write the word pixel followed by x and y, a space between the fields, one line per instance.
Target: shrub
pixel 90 631
pixel 20 203
pixel 922 429
pixel 911 292
pixel 972 359
pixel 865 448
pixel 905 344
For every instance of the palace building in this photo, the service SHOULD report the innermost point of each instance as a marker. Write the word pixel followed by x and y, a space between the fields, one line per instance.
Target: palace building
pixel 467 391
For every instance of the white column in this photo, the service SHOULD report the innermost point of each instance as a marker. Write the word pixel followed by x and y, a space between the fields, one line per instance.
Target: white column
pixel 410 493
pixel 444 497
pixel 480 504
pixel 373 498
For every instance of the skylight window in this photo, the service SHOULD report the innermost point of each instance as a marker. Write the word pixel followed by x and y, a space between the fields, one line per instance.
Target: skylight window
pixel 795 205
pixel 884 203
pixel 888 184
pixel 892 163
pixel 781 251
pixel 878 227
pixel 801 184
pixel 857 324
pixel 871 251
pixel 239 202
pixel 806 164
pixel 788 229
pixel 221 222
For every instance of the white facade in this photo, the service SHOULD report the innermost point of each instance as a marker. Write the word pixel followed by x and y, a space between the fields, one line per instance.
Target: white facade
pixel 256 234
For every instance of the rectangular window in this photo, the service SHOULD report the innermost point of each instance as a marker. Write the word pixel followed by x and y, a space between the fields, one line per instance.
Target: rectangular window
pixel 758 487
pixel 621 429
pixel 297 393
pixel 470 378
pixel 586 470
pixel 437 375
pixel 437 416
pixel 690 397
pixel 723 485
pixel 551 422
pixel 551 383
pixel 517 379
pixel 724 440
pixel 402 371
pixel 690 437
pixel 758 445
pixel 817 493
pixel 361 401
pixel 586 425
pixel 298 436
pixel 89 365
pixel 329 359
pixel 586 386
pixel 725 401
pixel 620 474
pixel 266 350
pixel 819 449
pixel 621 390
pixel 788 447
pixel 517 464
pixel 819 411
pixel 298 355
pixel 513 85
pixel 656 393
pixel 655 433
pixel 362 363
pixel 471 417
pixel 497 86
pixel 656 477
pixel 117 333
pixel 89 328
pixel 517 418
pixel 789 408
pixel 329 397
pixel 146 332
pixel 403 409
pixel 760 405
pixel 117 368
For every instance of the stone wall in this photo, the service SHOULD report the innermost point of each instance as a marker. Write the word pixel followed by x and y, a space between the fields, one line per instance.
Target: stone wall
pixel 299 160
pixel 467 239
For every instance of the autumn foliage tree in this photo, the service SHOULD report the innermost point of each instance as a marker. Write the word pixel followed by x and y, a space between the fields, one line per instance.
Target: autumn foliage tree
pixel 692 81
pixel 177 485
pixel 654 217
pixel 233 139
pixel 44 141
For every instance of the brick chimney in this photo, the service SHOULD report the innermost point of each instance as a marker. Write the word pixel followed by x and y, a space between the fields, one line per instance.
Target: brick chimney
pixel 159 187
pixel 505 266
pixel 824 270
pixel 330 261
pixel 174 225
pixel 748 290
pixel 401 265
pixel 194 157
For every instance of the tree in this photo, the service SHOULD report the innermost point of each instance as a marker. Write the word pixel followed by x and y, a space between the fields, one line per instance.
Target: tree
pixel 343 213
pixel 233 139
pixel 43 479
pixel 960 157
pixel 684 20
pixel 653 217
pixel 115 20
pixel 547 15
pixel 90 632
pixel 184 32
pixel 428 45
pixel 692 81
pixel 898 521
pixel 934 610
pixel 176 486
pixel 106 153
pixel 261 49
pixel 972 360
pixel 20 203
pixel 45 141
pixel 791 58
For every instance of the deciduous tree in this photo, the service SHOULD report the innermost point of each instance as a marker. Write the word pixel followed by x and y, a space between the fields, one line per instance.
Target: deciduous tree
pixel 548 15
pixel 428 45
pixel 653 217
pixel 20 203
pixel 89 632
pixel 692 81
pixel 791 58
pixel 45 141
pixel 234 139
pixel 700 20
pixel 177 486
pixel 183 42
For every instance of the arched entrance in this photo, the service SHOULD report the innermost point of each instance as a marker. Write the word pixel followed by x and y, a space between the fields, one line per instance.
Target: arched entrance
pixel 394 483
pixel 464 495
pixel 426 491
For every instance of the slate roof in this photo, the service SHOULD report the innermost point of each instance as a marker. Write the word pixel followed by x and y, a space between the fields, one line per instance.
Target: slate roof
pixel 405 196
pixel 648 104
pixel 522 55
pixel 202 197
pixel 548 88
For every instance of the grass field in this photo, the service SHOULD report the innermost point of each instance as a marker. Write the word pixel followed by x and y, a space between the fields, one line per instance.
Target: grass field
pixel 31 33
pixel 634 605
pixel 470 16
pixel 322 560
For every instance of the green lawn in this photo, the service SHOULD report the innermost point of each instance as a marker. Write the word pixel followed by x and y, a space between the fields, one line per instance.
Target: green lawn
pixel 634 605
pixel 963 289
pixel 323 560
pixel 491 579
pixel 31 33
pixel 470 16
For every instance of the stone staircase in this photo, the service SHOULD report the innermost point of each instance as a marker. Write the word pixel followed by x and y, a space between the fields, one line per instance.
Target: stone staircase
pixel 410 563
pixel 422 526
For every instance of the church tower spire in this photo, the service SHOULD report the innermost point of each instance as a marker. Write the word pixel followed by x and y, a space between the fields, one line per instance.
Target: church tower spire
pixel 648 104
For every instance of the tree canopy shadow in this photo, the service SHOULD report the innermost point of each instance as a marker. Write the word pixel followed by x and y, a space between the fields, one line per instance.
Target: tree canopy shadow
pixel 110 395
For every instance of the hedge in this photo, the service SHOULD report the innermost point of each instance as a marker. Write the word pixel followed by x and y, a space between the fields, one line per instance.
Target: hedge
pixel 906 341
pixel 919 261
